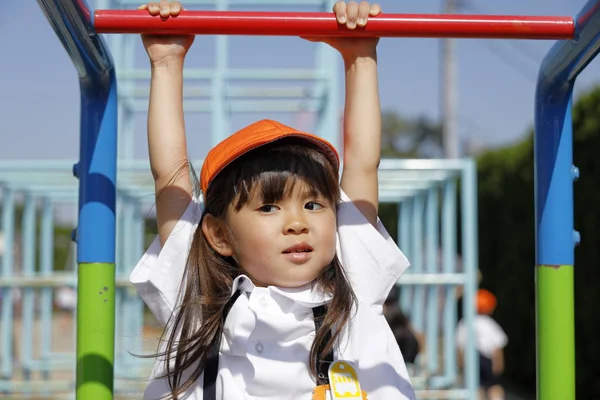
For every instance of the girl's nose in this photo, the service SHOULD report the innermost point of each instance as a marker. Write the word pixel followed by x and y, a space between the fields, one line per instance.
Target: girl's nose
pixel 296 224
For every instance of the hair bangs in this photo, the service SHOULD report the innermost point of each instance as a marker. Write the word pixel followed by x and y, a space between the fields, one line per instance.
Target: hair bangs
pixel 272 172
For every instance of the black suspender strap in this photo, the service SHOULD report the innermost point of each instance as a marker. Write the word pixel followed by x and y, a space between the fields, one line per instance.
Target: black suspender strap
pixel 322 365
pixel 211 369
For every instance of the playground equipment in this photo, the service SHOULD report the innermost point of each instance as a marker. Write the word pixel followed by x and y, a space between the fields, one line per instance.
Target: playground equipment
pixel 97 167
pixel 427 192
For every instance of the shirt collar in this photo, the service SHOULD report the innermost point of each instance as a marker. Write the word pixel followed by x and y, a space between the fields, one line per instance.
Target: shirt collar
pixel 309 295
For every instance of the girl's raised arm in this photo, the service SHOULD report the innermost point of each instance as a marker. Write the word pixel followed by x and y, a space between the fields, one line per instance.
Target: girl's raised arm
pixel 166 128
pixel 362 135
pixel 362 113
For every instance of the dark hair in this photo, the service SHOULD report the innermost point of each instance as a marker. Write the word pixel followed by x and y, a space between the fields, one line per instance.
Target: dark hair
pixel 401 327
pixel 269 172
pixel 402 331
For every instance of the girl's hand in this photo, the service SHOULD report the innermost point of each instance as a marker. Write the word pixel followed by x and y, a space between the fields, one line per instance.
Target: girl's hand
pixel 165 49
pixel 352 15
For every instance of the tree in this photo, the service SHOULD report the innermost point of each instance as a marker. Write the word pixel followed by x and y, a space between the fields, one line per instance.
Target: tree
pixel 418 137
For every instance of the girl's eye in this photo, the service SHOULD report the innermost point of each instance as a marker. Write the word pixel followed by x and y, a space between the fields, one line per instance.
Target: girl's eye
pixel 268 208
pixel 313 206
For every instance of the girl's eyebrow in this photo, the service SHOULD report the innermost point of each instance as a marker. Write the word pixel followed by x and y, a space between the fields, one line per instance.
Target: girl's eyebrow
pixel 309 193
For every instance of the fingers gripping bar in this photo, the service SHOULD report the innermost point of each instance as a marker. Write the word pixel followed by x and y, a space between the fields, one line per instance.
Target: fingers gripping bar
pixel 325 24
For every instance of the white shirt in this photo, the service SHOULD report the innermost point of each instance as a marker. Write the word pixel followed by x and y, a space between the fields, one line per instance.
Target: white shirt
pixel 489 336
pixel 269 331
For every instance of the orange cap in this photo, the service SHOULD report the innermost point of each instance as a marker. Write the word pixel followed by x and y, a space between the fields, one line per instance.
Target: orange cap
pixel 254 136
pixel 486 302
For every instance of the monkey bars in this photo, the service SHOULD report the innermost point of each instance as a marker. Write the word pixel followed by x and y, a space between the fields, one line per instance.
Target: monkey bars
pixel 324 24
pixel 77 28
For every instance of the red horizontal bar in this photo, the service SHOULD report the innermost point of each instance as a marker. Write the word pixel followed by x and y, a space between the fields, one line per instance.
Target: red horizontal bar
pixel 324 24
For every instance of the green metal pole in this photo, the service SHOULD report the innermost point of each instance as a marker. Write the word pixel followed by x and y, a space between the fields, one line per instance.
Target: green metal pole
pixel 95 330
pixel 555 332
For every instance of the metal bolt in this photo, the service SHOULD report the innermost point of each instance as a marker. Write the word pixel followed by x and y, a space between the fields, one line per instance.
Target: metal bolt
pixel 74 235
pixel 576 237
pixel 76 170
pixel 574 172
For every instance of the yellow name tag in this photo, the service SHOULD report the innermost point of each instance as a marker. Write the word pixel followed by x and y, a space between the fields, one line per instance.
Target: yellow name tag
pixel 343 384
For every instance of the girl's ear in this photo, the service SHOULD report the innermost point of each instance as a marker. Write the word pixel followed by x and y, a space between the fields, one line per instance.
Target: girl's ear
pixel 215 232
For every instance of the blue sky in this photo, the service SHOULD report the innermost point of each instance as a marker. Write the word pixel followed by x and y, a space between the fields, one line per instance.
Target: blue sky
pixel 39 93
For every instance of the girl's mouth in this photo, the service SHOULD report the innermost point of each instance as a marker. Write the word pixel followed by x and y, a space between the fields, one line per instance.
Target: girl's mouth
pixel 298 248
pixel 299 253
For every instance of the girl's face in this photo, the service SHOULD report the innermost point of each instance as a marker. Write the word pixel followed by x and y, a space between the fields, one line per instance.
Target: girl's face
pixel 287 243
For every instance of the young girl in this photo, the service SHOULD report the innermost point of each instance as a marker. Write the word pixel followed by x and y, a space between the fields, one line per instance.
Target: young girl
pixel 272 272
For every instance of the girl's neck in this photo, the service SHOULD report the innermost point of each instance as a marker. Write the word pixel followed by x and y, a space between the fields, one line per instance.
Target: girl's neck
pixel 258 283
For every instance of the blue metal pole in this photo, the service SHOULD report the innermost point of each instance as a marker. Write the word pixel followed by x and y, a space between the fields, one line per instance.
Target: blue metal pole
pixel 418 305
pixel 555 237
pixel 469 256
pixel 405 241
pixel 449 262
pixel 46 267
pixel 72 20
pixel 554 246
pixel 449 316
pixel 432 232
pixel 28 227
pixel 97 177
pixel 96 241
pixel 8 234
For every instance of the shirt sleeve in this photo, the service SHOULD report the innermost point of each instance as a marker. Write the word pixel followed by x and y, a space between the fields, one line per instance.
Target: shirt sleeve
pixel 498 336
pixel 370 257
pixel 158 275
